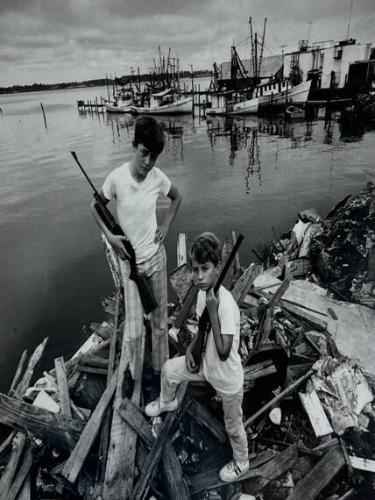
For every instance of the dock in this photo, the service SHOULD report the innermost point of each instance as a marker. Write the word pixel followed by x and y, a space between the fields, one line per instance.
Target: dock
pixel 95 106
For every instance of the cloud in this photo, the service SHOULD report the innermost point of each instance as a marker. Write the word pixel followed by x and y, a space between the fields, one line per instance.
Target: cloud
pixel 47 40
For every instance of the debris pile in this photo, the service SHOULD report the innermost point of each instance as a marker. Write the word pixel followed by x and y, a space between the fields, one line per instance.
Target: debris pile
pixel 308 410
pixel 343 254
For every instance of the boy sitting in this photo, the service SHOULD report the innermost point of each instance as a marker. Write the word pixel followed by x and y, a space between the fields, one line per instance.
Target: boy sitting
pixel 221 363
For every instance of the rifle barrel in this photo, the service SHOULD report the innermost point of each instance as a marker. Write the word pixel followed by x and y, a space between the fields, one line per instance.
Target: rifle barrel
pixel 73 153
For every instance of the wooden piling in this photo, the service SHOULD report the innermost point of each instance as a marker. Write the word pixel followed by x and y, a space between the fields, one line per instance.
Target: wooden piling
pixel 44 115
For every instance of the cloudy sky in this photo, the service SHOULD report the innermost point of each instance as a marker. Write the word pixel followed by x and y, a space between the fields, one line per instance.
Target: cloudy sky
pixel 51 41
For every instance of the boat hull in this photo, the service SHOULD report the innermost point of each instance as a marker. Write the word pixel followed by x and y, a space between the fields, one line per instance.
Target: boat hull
pixel 249 107
pixel 216 111
pixel 177 107
pixel 120 107
pixel 296 95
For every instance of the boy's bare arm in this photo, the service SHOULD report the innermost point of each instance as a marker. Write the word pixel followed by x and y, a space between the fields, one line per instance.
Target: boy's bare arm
pixel 223 343
pixel 114 240
pixel 176 199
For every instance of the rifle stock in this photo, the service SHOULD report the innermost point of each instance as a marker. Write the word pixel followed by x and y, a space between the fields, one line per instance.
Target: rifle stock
pixel 145 293
pixel 204 323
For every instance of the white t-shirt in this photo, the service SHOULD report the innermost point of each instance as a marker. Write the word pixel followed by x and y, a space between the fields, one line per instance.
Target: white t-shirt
pixel 136 206
pixel 225 376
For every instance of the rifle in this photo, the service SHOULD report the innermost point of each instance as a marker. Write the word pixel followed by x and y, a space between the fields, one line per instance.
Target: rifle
pixel 204 323
pixel 145 293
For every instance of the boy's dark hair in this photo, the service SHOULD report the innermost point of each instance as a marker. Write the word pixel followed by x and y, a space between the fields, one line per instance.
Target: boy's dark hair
pixel 150 133
pixel 205 248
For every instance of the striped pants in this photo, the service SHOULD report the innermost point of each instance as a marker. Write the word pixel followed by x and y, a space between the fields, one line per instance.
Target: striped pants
pixel 155 270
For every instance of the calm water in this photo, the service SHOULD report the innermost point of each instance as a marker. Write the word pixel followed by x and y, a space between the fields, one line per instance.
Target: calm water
pixel 242 174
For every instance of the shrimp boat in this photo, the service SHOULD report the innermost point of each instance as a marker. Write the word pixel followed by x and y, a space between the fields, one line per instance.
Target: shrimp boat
pixel 122 98
pixel 273 94
pixel 166 102
pixel 121 104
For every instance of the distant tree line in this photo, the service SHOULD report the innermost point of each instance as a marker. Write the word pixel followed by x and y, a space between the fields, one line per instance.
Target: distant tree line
pixel 91 83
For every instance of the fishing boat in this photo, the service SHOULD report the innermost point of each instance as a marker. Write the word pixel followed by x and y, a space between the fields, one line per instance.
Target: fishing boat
pixel 218 103
pixel 248 107
pixel 119 105
pixel 278 93
pixel 273 94
pixel 122 96
pixel 166 102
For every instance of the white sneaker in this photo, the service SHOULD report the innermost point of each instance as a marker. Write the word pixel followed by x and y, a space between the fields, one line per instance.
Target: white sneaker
pixel 156 407
pixel 233 471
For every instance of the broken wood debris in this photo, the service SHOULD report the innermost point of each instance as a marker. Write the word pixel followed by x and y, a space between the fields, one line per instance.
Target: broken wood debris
pixel 296 455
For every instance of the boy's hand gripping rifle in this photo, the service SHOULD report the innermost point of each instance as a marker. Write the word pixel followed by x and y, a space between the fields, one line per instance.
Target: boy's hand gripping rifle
pixel 204 323
pixel 147 298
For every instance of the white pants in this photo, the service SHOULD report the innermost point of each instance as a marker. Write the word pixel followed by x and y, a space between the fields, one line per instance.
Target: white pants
pixel 175 371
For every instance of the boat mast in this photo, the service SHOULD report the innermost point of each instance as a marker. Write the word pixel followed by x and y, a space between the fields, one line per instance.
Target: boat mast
pixel 256 54
pixel 261 47
pixel 252 45
pixel 350 19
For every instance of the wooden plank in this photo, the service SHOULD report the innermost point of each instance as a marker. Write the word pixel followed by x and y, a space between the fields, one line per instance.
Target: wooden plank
pixel 175 482
pixel 209 479
pixel 204 418
pixel 71 364
pixel 150 466
pixel 266 320
pixel 120 469
pixel 181 249
pixel 7 442
pixel 21 475
pixel 136 419
pixel 106 427
pixel 308 317
pixel 25 493
pixel 186 306
pixel 94 361
pixel 33 361
pixel 316 414
pixel 274 468
pixel 91 369
pixel 362 463
pixel 320 476
pixel 184 311
pixel 245 282
pixel 278 398
pixel 75 462
pixel 62 385
pixel 56 430
pixel 17 375
pixel 6 480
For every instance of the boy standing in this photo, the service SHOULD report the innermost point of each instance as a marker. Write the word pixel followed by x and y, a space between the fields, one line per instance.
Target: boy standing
pixel 135 188
pixel 221 363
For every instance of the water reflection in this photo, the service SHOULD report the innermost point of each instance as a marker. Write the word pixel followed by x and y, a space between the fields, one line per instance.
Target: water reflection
pixel 174 130
pixel 121 126
pixel 254 166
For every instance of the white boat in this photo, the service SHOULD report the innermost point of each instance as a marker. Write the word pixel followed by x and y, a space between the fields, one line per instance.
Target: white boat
pixel 119 105
pixel 272 94
pixel 217 104
pixel 167 102
pixel 276 93
pixel 247 107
